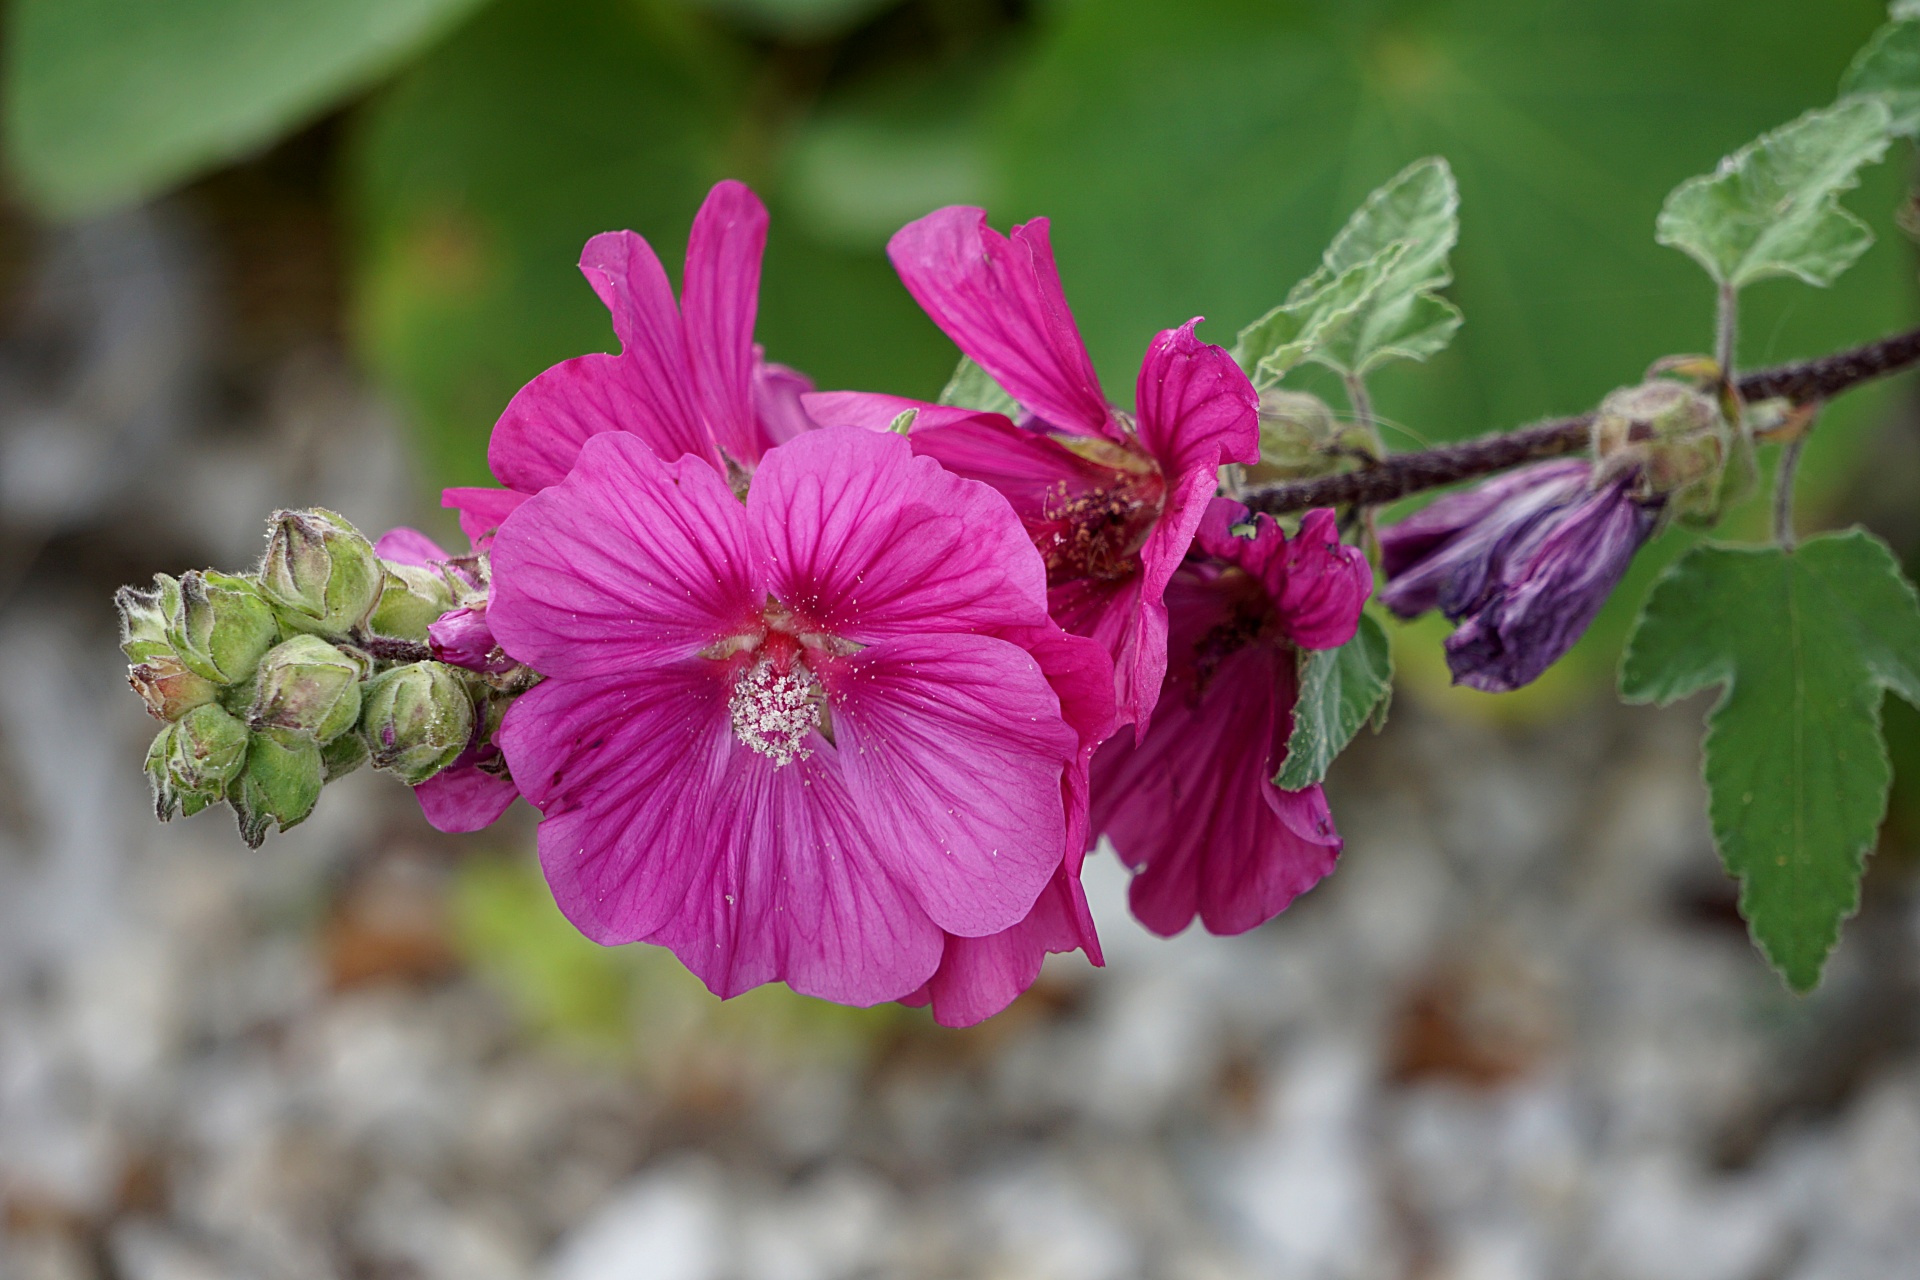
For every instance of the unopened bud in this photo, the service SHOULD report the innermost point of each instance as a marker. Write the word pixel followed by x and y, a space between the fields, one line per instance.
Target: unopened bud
pixel 164 799
pixel 1300 438
pixel 320 574
pixel 307 686
pixel 417 719
pixel 220 625
pixel 143 617
pixel 281 782
pixel 168 688
pixel 209 750
pixel 411 599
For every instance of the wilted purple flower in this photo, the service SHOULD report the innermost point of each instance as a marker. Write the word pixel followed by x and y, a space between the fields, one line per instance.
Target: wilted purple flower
pixel 1522 563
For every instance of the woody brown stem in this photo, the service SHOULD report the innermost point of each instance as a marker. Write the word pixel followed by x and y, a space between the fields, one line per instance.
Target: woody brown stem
pixel 1401 475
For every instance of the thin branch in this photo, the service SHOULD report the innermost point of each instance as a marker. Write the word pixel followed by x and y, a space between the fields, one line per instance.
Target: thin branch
pixel 1783 492
pixel 388 649
pixel 1402 474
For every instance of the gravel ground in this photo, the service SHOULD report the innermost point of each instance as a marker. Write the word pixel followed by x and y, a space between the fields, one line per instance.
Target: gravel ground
pixel 1519 1034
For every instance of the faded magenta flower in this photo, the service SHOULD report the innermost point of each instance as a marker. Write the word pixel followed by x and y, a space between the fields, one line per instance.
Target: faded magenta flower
pixel 688 380
pixel 808 738
pixel 1111 500
pixel 1523 564
pixel 1192 806
pixel 473 791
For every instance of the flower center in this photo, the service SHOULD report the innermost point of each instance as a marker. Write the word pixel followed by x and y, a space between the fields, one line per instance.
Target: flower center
pixel 775 704
pixel 1098 531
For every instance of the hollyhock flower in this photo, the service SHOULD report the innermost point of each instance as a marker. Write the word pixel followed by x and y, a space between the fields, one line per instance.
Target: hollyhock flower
pixel 473 791
pixel 809 737
pixel 1522 563
pixel 688 380
pixel 1192 806
pixel 1111 500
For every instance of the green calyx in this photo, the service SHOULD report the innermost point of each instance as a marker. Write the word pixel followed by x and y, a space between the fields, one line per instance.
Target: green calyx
pixel 411 598
pixel 143 617
pixel 279 785
pixel 418 718
pixel 319 573
pixel 306 686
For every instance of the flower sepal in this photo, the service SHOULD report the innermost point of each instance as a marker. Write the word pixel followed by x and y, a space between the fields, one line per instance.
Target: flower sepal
pixel 320 573
pixel 220 625
pixel 309 687
pixel 417 720
pixel 279 785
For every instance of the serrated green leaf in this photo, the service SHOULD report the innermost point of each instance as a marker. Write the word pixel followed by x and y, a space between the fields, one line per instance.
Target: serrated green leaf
pixel 1271 346
pixel 1372 298
pixel 1805 642
pixel 109 101
pixel 1340 690
pixel 1772 208
pixel 972 387
pixel 1889 69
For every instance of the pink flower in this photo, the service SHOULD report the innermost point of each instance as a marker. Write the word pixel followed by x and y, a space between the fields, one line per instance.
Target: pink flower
pixel 473 791
pixel 806 738
pixel 688 379
pixel 1111 502
pixel 1192 806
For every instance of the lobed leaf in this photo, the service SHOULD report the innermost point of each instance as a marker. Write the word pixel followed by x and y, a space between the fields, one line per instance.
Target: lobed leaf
pixel 1373 297
pixel 1805 642
pixel 1340 690
pixel 1772 208
pixel 1889 69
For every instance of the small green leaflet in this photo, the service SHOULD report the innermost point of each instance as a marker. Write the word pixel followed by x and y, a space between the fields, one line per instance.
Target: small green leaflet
pixel 903 421
pixel 1805 642
pixel 1340 689
pixel 972 387
pixel 1889 69
pixel 1772 208
pixel 1374 297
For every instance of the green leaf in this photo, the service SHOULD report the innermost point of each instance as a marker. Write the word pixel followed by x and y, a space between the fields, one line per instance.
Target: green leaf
pixel 110 101
pixel 1772 208
pixel 1373 297
pixel 1889 69
pixel 1340 689
pixel 972 387
pixel 1805 642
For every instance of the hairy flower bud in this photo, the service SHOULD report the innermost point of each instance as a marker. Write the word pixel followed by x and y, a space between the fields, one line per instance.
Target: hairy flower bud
pixel 220 625
pixel 168 688
pixel 209 749
pixel 320 574
pixel 411 598
pixel 343 755
pixel 418 718
pixel 143 618
pixel 164 799
pixel 1300 438
pixel 281 782
pixel 307 686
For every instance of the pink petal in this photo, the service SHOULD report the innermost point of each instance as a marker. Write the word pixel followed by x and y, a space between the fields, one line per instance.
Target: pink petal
pixel 1317 584
pixel 627 559
pixel 1194 406
pixel 662 405
pixel 865 540
pixel 658 826
pixel 779 404
pixel 1193 805
pixel 463 638
pixel 463 797
pixel 719 296
pixel 999 298
pixel 1132 627
pixel 409 547
pixel 481 510
pixel 978 977
pixel 538 438
pixel 955 753
pixel 876 411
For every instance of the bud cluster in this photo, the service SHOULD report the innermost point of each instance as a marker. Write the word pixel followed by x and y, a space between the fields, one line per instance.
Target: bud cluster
pixel 273 684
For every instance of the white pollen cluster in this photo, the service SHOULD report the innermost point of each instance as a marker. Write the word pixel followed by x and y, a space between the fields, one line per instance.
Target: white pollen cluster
pixel 774 711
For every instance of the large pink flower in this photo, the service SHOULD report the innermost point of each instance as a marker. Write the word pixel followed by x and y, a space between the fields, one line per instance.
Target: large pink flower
pixel 1192 806
pixel 809 737
pixel 1112 501
pixel 473 791
pixel 688 379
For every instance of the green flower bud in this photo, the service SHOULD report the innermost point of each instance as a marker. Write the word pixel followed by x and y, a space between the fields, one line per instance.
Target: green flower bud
pixel 209 749
pixel 220 626
pixel 418 718
pixel 343 755
pixel 168 688
pixel 143 618
pixel 307 686
pixel 281 782
pixel 320 574
pixel 410 600
pixel 164 799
